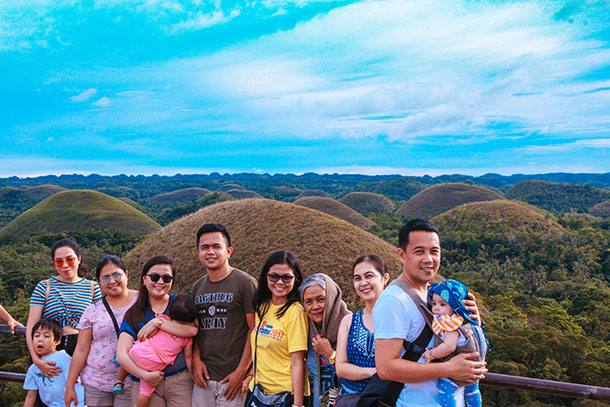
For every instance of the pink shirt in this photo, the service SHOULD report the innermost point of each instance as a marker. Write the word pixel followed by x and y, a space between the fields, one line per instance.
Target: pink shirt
pixel 162 347
pixel 100 371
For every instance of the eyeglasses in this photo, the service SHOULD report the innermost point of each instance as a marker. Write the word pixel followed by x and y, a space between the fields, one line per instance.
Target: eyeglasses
pixel 154 277
pixel 116 276
pixel 286 278
pixel 70 261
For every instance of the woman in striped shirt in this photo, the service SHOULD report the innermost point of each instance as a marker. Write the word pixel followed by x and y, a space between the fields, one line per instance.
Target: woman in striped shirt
pixel 64 298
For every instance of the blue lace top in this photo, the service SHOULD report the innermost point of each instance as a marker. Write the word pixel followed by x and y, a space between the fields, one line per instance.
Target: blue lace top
pixel 360 351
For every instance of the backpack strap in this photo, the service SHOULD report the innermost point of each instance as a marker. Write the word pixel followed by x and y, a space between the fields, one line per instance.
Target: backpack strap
pixel 413 350
pixel 46 292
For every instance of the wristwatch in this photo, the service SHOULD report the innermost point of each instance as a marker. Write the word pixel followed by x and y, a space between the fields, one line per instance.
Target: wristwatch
pixel 159 323
pixel 332 357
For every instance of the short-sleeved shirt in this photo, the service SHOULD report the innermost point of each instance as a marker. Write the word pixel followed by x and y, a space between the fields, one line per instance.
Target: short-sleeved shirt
pixel 66 302
pixel 53 389
pixel 179 364
pixel 395 316
pixel 277 339
pixel 221 309
pixel 99 371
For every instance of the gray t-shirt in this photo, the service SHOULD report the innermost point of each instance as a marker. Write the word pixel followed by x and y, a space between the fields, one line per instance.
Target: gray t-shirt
pixel 221 308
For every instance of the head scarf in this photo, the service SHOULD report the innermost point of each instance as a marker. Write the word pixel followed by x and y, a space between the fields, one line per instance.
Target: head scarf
pixel 334 307
pixel 453 293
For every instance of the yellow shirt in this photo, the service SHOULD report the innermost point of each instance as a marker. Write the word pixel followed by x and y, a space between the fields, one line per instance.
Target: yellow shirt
pixel 277 339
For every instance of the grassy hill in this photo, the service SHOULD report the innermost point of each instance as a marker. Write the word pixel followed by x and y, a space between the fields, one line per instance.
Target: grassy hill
pixel 259 227
pixel 336 209
pixel 80 211
pixel 180 196
pixel 314 192
pixel 229 186
pixel 558 197
pixel 286 193
pixel 368 202
pixel 439 198
pixel 497 217
pixel 243 194
pixel 602 209
pixel 178 211
pixel 400 189
pixel 40 192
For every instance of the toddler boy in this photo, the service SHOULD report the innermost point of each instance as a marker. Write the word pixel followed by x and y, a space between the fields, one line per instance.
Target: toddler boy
pixel 46 335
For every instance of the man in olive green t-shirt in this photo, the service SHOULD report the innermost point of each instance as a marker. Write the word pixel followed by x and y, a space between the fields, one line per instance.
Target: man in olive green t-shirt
pixel 221 351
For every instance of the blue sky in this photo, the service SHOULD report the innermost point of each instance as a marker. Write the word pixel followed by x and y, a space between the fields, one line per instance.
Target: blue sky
pixel 376 87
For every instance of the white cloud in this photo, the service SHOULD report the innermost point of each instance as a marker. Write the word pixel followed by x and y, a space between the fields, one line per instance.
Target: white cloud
pixel 84 95
pixel 103 102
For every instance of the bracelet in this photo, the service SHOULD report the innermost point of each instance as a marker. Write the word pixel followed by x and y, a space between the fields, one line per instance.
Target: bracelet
pixel 430 354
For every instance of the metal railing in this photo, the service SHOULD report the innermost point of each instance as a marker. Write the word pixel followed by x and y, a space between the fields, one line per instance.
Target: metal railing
pixel 574 390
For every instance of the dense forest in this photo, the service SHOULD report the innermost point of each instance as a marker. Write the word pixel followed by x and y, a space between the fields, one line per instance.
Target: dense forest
pixel 541 268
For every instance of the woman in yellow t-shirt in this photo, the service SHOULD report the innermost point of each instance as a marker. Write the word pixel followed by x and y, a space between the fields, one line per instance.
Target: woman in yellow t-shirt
pixel 279 341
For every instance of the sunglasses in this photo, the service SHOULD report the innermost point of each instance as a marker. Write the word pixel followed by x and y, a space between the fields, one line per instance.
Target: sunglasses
pixel 154 277
pixel 116 276
pixel 70 261
pixel 286 278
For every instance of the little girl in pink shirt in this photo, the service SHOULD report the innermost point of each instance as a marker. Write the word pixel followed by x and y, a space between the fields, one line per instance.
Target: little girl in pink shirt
pixel 160 350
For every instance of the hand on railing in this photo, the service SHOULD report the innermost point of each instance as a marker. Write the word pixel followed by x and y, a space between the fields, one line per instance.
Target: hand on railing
pixel 19 329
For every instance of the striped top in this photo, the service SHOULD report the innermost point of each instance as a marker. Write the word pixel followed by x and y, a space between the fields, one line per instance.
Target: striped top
pixel 66 301
pixel 446 323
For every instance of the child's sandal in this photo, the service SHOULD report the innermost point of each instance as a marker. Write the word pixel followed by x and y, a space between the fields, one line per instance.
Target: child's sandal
pixel 118 388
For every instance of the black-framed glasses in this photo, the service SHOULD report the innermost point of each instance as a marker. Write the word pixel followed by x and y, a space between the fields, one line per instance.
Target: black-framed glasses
pixel 286 278
pixel 116 276
pixel 154 277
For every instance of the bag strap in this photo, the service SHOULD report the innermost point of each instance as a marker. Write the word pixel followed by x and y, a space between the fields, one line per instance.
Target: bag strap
pixel 46 293
pixel 93 293
pixel 260 321
pixel 114 321
pixel 413 350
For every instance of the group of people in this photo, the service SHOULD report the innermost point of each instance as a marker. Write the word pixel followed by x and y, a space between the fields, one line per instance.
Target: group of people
pixel 236 340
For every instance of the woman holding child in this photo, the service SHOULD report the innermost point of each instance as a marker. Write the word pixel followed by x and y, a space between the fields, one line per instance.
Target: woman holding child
pixel 97 338
pixel 173 385
pixel 64 298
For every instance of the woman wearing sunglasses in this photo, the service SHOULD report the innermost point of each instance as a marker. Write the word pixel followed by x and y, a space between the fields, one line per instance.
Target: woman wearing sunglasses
pixel 279 341
pixel 97 338
pixel 174 385
pixel 64 298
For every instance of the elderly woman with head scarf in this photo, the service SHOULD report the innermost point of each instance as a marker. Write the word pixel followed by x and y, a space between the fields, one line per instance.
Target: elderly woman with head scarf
pixel 325 308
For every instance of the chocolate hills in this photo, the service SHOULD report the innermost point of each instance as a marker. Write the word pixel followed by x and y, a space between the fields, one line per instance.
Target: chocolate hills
pixel 79 211
pixel 399 189
pixel 180 196
pixel 336 209
pixel 368 202
pixel 501 217
pixel 314 192
pixel 243 194
pixel 558 197
pixel 439 198
pixel 258 227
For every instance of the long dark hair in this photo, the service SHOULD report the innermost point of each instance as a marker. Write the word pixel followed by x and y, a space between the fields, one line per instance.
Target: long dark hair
pixel 137 313
pixel 262 296
pixel 83 270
